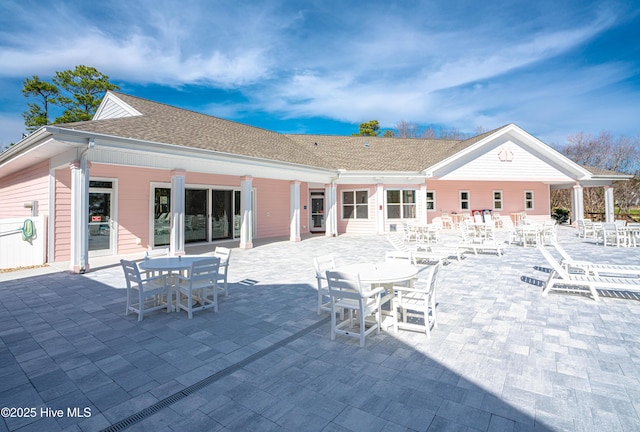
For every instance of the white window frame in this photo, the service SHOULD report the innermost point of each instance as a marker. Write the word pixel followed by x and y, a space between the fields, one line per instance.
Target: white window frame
pixel 402 204
pixel 467 200
pixel 354 205
pixel 432 201
pixel 499 200
pixel 529 200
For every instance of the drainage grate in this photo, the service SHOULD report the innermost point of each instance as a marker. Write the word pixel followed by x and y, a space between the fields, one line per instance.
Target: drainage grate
pixel 170 400
pixel 248 282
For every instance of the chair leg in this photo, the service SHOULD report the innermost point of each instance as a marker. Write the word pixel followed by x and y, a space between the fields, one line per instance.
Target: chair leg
pixel 362 328
pixel 333 321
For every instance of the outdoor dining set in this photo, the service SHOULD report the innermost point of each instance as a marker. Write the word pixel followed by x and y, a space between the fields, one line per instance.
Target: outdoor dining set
pixel 617 233
pixel 399 292
pixel 190 283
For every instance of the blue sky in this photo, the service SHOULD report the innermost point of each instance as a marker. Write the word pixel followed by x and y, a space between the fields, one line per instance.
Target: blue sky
pixel 554 68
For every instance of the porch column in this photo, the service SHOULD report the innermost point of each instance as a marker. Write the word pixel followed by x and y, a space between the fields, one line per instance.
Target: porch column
pixel 295 211
pixel 422 204
pixel 577 204
pixel 176 241
pixel 79 216
pixel 246 213
pixel 379 208
pixel 330 211
pixel 609 204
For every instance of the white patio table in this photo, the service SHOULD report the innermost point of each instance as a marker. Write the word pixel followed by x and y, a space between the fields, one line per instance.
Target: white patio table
pixel 171 265
pixel 385 274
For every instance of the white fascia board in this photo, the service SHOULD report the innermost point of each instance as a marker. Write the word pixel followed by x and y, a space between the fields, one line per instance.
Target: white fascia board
pixel 380 177
pixel 35 148
pixel 127 151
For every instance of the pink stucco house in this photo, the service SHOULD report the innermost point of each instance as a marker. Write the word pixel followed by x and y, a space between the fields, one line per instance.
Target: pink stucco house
pixel 143 174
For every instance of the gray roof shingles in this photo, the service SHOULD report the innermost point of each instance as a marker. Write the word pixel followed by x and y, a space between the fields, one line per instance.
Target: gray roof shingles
pixel 166 124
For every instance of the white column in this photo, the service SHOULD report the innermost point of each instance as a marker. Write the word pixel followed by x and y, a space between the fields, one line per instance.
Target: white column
pixel 246 213
pixel 329 204
pixel 79 216
pixel 176 241
pixel 577 204
pixel 331 209
pixel 609 204
pixel 295 211
pixel 379 208
pixel 422 204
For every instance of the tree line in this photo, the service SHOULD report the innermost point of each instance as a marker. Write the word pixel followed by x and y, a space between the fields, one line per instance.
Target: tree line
pixel 75 93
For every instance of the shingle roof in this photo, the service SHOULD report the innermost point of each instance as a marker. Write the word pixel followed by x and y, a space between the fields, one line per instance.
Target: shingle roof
pixel 166 124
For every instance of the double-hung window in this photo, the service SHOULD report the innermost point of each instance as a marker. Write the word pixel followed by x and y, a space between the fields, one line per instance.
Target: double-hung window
pixel 431 200
pixel 464 200
pixel 355 204
pixel 497 200
pixel 528 200
pixel 401 204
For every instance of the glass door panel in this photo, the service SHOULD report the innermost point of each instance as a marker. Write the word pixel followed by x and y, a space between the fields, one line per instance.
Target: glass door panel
pixel 100 221
pixel 162 217
pixel 195 218
pixel 221 214
pixel 237 218
pixel 317 211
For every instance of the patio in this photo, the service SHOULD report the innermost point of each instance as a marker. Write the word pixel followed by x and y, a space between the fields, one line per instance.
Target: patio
pixel 503 357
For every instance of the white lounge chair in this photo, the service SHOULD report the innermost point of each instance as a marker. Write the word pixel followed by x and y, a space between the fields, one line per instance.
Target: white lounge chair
pixel 595 269
pixel 425 253
pixel 561 280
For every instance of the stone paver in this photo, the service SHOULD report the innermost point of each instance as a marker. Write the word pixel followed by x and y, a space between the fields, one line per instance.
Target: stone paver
pixel 502 358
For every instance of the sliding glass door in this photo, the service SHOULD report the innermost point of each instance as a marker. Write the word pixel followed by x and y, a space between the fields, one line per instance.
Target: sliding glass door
pixel 210 214
pixel 221 214
pixel 195 218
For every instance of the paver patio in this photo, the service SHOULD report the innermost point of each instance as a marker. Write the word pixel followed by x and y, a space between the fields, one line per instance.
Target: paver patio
pixel 504 358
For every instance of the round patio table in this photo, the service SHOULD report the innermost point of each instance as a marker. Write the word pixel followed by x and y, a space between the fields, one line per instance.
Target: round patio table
pixel 171 265
pixel 385 274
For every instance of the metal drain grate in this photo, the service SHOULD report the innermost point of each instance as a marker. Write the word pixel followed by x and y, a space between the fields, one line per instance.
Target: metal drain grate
pixel 170 400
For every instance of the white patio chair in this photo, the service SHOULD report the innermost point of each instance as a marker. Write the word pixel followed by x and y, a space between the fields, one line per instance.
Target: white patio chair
pixel 419 299
pixel 200 285
pixel 549 232
pixel 347 293
pixel 225 255
pixel 478 243
pixel 322 264
pixel 561 280
pixel 612 235
pixel 141 291
pixel 589 228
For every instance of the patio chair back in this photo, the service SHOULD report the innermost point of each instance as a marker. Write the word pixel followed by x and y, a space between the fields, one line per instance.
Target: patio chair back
pixel 225 256
pixel 322 264
pixel 140 290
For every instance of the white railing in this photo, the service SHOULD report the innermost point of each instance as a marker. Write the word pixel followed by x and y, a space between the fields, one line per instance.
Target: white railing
pixel 18 252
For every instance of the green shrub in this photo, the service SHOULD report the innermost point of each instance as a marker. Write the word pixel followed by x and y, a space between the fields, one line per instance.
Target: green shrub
pixel 560 214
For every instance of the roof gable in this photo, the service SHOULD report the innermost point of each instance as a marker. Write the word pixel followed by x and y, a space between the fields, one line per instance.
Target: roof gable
pixel 508 153
pixel 114 107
